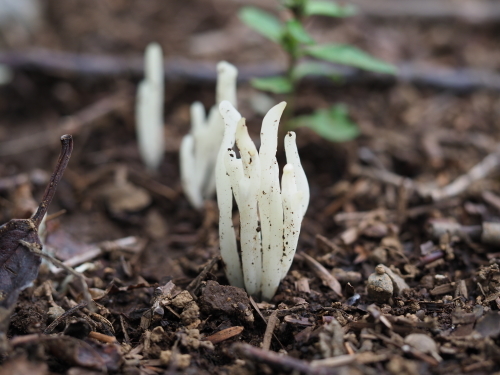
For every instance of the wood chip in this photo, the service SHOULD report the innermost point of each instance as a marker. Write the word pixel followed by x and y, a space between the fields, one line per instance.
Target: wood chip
pixel 224 334
pixel 298 321
pixel 271 323
pixel 102 337
pixel 443 289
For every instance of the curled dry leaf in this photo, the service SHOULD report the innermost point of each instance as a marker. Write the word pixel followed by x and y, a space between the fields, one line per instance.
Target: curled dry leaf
pixel 18 264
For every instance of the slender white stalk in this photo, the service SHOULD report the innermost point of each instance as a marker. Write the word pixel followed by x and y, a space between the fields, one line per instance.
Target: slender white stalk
pixel 292 216
pixel 225 90
pixel 226 83
pixel 227 237
pixel 270 204
pixel 292 157
pixel 207 135
pixel 245 180
pixel 266 254
pixel 149 109
pixel 188 180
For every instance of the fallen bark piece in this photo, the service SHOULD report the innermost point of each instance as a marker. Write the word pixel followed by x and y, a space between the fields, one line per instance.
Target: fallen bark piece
pixel 224 334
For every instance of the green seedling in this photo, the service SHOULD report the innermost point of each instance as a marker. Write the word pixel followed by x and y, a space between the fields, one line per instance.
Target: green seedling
pixel 306 57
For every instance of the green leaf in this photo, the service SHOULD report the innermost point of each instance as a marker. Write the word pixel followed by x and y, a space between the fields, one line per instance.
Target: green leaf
pixel 314 68
pixel 263 22
pixel 349 55
pixel 297 32
pixel 332 124
pixel 327 8
pixel 276 85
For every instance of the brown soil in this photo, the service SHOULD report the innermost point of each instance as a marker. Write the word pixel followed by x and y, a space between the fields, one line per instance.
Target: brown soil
pixel 368 207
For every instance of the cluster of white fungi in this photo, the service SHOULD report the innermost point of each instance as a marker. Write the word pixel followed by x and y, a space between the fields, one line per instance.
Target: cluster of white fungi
pixel 270 214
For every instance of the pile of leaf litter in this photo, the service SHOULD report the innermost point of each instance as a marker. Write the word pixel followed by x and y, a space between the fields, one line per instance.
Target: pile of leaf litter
pixel 397 268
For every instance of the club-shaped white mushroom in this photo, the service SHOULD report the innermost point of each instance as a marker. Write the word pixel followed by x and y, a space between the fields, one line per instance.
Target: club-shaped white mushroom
pixel 199 148
pixel 270 217
pixel 149 109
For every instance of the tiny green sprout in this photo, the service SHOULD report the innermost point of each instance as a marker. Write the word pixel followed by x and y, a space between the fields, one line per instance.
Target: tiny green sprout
pixel 306 57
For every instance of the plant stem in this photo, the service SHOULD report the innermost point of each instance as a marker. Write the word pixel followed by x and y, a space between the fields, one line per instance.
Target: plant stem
pixel 62 162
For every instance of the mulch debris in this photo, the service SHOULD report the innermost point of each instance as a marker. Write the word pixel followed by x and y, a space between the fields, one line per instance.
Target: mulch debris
pixel 397 269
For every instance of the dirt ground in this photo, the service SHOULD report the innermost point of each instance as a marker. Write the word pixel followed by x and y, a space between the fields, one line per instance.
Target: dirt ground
pixel 397 267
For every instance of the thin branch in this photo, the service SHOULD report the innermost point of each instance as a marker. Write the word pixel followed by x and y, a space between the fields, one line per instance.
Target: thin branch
pixel 71 124
pixel 277 361
pixel 177 68
pixel 469 10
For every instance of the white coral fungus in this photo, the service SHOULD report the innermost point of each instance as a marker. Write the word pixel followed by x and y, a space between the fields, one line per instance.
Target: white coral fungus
pixel 149 109
pixel 270 217
pixel 199 148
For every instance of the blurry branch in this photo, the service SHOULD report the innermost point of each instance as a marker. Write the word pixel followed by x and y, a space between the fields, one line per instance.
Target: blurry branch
pixel 71 124
pixel 472 11
pixel 56 62
pixel 481 170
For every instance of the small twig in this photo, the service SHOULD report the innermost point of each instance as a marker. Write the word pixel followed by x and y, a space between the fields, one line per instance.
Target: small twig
pixel 256 308
pixel 482 169
pixel 271 323
pixel 96 250
pixel 70 124
pixel 277 361
pixel 58 263
pixel 326 277
pixel 59 319
pixel 62 162
pixel 385 176
pixel 126 337
pixel 148 183
pixel 195 284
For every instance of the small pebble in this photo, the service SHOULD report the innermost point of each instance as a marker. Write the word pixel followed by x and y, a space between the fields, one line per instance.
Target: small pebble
pixel 54 313
pixel 380 287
